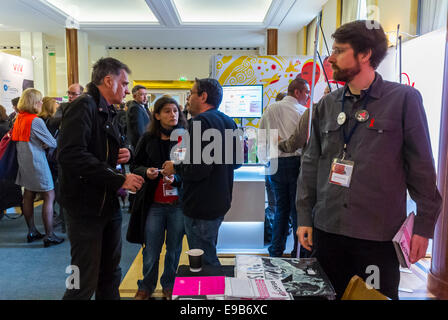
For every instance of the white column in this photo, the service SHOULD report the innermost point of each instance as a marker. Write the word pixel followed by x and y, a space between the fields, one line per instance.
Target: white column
pixel 83 58
pixel 32 46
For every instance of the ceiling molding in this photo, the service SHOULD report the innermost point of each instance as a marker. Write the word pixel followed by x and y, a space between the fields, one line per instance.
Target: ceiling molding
pixel 274 10
pixel 48 10
pixel 165 12
pixel 139 26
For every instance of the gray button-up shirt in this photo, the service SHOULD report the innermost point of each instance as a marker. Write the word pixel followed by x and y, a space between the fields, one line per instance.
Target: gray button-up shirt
pixel 391 153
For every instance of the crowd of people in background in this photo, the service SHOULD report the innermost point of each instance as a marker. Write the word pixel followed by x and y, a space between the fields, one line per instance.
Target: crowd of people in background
pixel 87 152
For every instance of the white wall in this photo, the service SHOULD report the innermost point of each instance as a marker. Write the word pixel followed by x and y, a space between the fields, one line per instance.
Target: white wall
pixel 329 25
pixel 287 43
pixel 423 60
pixel 169 64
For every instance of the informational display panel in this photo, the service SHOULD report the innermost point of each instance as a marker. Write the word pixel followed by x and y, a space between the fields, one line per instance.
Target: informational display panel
pixel 242 101
pixel 16 75
pixel 422 68
pixel 274 73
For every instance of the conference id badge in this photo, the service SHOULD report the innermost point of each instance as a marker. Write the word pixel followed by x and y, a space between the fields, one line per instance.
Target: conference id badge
pixel 169 191
pixel 179 154
pixel 341 172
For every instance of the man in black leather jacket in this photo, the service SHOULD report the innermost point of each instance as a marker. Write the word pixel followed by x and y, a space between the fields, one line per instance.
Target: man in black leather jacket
pixel 89 151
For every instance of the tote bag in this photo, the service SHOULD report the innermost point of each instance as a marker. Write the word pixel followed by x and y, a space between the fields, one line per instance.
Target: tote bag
pixel 8 158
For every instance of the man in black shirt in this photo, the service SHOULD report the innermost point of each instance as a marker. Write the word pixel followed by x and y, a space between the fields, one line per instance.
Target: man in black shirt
pixel 207 185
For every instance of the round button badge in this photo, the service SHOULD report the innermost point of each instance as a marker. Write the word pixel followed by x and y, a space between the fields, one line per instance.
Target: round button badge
pixel 341 118
pixel 362 115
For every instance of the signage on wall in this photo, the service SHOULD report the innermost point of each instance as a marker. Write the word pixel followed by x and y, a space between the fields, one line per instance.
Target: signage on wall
pixel 16 75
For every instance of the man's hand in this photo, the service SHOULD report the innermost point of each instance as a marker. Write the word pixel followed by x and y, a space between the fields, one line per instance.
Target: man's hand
pixel 152 173
pixel 419 245
pixel 133 182
pixel 168 168
pixel 305 235
pixel 123 156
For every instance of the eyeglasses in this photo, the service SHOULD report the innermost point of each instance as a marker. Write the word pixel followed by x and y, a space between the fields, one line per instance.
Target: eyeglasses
pixel 338 51
pixel 193 92
pixel 70 93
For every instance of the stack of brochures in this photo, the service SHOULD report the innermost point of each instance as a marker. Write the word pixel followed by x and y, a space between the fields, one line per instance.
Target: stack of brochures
pixel 402 241
pixel 255 289
pixel 303 278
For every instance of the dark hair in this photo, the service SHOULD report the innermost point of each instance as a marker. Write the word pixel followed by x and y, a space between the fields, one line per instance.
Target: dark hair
pixel 15 101
pixel 105 67
pixel 280 96
pixel 3 115
pixel 137 87
pixel 154 127
pixel 297 83
pixel 213 89
pixel 363 38
pixel 81 88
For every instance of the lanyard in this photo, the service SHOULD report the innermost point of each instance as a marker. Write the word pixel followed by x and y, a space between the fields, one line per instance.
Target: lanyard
pixel 348 137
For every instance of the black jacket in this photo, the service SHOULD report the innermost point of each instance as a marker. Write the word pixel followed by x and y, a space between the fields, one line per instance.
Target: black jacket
pixel 4 128
pixel 207 188
pixel 147 155
pixel 137 121
pixel 88 145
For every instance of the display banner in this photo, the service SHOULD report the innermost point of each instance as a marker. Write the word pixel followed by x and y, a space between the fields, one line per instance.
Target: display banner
pixel 273 72
pixel 16 75
pixel 422 68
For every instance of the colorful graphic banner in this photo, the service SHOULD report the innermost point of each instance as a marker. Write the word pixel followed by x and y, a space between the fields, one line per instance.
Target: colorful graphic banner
pixel 273 72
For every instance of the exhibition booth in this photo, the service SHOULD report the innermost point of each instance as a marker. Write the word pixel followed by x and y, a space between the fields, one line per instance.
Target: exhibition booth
pixel 416 63
pixel 251 84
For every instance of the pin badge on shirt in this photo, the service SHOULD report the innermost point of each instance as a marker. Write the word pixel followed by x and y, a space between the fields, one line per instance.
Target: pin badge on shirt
pixel 362 115
pixel 341 118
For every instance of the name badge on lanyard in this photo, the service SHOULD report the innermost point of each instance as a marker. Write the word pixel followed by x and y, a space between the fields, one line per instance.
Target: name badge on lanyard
pixel 169 191
pixel 180 152
pixel 341 172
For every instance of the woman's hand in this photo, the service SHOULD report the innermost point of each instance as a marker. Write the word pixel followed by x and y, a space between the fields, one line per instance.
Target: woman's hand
pixel 152 173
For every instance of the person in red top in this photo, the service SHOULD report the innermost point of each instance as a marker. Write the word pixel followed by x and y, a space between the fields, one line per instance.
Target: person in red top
pixel 157 203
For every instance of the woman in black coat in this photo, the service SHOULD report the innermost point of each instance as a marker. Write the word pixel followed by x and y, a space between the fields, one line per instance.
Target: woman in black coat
pixel 157 206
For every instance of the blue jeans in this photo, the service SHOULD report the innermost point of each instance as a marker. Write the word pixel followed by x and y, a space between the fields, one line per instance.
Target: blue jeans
pixel 203 234
pixel 161 218
pixel 284 183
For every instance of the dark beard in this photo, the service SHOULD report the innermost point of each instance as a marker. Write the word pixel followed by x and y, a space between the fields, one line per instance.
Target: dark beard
pixel 345 75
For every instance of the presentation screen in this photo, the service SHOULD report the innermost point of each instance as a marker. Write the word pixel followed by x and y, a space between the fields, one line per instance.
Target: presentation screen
pixel 242 101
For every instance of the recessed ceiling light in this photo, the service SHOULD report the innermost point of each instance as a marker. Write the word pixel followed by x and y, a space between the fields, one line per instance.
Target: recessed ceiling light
pixel 215 11
pixel 110 11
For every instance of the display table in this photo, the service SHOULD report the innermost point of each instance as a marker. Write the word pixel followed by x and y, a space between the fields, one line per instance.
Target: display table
pixel 303 278
pixel 207 271
pixel 242 230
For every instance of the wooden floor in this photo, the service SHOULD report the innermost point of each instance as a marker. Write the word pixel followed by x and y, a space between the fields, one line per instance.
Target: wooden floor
pixel 412 282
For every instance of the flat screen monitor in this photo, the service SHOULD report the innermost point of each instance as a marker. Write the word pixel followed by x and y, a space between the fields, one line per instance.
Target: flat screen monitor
pixel 244 101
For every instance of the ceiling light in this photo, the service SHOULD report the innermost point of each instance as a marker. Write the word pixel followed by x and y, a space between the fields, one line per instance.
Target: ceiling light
pixel 229 11
pixel 109 11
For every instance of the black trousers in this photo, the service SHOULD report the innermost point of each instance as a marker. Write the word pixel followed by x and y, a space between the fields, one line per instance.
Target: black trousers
pixel 96 250
pixel 343 257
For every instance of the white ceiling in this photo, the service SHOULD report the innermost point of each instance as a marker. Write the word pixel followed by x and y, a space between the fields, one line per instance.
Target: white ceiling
pixel 166 23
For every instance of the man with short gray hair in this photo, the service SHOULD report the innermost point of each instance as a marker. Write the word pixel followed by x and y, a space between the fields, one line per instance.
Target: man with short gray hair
pixel 138 115
pixel 89 151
